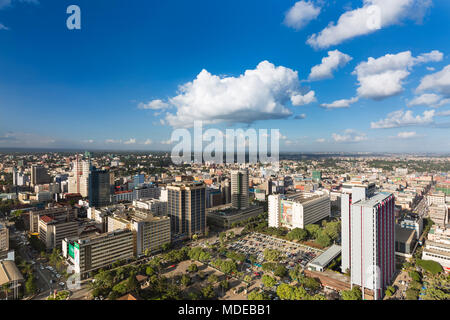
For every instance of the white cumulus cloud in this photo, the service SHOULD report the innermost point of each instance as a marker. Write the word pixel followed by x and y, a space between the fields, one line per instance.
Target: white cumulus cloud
pixel 372 16
pixel 383 77
pixel 300 100
pixel 258 94
pixel 430 100
pixel 403 118
pixel 333 61
pixel 153 105
pixel 343 103
pixel 437 82
pixel 301 14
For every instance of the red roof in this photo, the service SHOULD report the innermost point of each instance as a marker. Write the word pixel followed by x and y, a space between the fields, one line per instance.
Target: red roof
pixel 46 219
pixel 120 192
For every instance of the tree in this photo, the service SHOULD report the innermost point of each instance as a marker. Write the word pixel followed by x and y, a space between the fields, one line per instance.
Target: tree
pixel 390 290
pixel 297 234
pixel 208 292
pixel 285 292
pixel 272 255
pixel 6 289
pixel 313 230
pixel 353 294
pixel 280 271
pixel 415 276
pixel 132 283
pixel 412 294
pixel 323 239
pixel 224 284
pixel 185 280
pixel 268 281
pixel 213 279
pixel 30 285
pixel 311 283
pixel 166 246
pixel 222 237
pixel 149 271
pixel 192 268
pixel 257 295
pixel 333 229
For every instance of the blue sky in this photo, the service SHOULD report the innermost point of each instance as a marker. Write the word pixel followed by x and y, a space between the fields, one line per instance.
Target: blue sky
pixel 115 84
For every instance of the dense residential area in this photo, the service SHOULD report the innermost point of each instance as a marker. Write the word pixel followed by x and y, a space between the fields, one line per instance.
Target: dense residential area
pixel 135 226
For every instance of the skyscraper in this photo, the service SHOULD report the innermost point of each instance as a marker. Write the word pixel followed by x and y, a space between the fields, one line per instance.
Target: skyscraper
pixel 186 207
pixel 351 192
pixel 78 180
pixel 372 240
pixel 99 188
pixel 239 189
pixel 39 175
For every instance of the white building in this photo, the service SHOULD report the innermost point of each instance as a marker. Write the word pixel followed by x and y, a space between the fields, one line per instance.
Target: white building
pixel 351 192
pixel 372 239
pixel 299 210
pixel 79 177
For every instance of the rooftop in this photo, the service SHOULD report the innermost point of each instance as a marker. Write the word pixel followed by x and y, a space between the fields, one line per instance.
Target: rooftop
pixel 9 272
pixel 325 258
pixel 371 202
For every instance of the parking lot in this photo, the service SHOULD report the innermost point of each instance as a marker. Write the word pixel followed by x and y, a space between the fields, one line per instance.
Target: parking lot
pixel 292 253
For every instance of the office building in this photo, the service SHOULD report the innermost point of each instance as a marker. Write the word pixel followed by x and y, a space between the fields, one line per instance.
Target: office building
pixel 99 188
pixel 98 251
pixel 372 240
pixel 186 208
pixel 4 239
pixel 53 231
pixel 239 189
pixel 58 213
pixel 438 214
pixel 138 180
pixel 437 198
pixel 298 210
pixel 79 177
pixel 39 175
pixel 351 192
pixel 155 206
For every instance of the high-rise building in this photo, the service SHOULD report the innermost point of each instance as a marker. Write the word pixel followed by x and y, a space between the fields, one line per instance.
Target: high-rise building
pixel 239 189
pixel 39 175
pixel 99 188
pixel 138 180
pixel 351 192
pixel 186 207
pixel 4 238
pixel 372 241
pixel 316 176
pixel 79 178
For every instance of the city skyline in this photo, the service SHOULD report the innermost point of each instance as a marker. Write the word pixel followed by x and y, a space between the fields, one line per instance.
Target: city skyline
pixel 137 71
